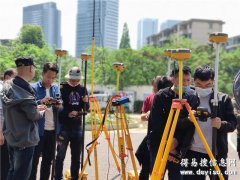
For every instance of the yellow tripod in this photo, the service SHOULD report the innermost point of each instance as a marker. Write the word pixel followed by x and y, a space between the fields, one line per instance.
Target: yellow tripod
pixel 160 164
pixel 123 133
pixel 94 112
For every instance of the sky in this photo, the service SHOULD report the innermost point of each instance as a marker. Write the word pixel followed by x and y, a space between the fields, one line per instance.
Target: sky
pixel 130 11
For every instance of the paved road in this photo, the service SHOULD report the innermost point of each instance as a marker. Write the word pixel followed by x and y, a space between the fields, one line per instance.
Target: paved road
pixel 106 165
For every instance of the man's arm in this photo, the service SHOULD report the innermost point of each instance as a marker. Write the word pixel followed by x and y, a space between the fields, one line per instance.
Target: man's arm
pixel 31 110
pixel 145 116
pixel 145 110
pixel 229 123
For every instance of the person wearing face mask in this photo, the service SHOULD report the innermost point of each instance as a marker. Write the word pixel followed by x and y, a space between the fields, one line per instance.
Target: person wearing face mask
pixel 73 96
pixel 158 118
pixel 224 122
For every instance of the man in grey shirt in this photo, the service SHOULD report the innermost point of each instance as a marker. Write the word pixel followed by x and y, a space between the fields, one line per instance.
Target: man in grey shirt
pixel 198 159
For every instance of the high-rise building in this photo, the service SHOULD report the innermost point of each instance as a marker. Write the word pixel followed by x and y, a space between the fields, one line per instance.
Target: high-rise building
pixel 105 26
pixel 146 27
pixel 48 17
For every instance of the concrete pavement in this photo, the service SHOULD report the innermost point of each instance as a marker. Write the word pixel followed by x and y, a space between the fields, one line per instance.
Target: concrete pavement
pixel 107 168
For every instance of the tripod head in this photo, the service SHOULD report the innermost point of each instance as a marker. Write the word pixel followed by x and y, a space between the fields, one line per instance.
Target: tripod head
pixel 180 54
pixel 118 66
pixel 85 56
pixel 60 53
pixel 218 38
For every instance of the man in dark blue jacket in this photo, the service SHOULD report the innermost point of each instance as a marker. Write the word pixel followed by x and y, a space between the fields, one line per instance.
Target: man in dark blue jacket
pixel 48 126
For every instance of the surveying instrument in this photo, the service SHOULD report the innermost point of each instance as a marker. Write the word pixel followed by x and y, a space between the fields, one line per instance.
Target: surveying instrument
pixel 122 125
pixel 59 53
pixel 158 172
pixel 216 39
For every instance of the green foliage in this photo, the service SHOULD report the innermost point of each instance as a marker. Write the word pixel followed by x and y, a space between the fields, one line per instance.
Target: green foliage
pixel 31 34
pixel 125 40
pixel 41 55
pixel 142 65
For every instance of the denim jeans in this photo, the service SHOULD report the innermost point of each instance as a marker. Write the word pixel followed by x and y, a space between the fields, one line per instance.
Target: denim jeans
pixel 46 148
pixel 4 160
pixel 74 136
pixel 20 162
pixel 173 168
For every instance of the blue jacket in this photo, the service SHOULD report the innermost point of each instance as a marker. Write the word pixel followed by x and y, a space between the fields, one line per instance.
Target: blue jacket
pixel 40 92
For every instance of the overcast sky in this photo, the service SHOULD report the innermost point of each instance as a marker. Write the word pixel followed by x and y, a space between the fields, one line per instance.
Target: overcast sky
pixel 130 11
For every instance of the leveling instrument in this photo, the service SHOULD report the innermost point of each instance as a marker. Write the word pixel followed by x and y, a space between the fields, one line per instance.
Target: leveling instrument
pixel 179 55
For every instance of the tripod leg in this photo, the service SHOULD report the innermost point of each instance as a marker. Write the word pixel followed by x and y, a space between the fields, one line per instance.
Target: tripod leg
pixel 121 146
pixel 106 132
pixel 206 146
pixel 168 146
pixel 128 141
pixel 94 135
pixel 163 143
pixel 111 147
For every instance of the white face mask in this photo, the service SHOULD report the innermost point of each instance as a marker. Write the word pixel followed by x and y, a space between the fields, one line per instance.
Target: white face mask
pixel 203 92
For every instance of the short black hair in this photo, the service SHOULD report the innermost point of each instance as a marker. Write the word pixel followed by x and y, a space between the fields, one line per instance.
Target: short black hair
pixel 186 71
pixel 204 73
pixel 8 72
pixel 163 82
pixel 50 67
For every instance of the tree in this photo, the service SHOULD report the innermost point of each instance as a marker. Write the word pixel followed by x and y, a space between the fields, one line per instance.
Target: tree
pixel 32 34
pixel 125 40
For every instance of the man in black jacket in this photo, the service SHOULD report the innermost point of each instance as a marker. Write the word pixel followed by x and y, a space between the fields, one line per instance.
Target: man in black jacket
pixel 158 118
pixel 224 122
pixel 73 97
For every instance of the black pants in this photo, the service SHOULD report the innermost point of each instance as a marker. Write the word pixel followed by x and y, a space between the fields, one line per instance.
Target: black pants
pixel 198 170
pixel 74 137
pixel 4 159
pixel 45 147
pixel 143 156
